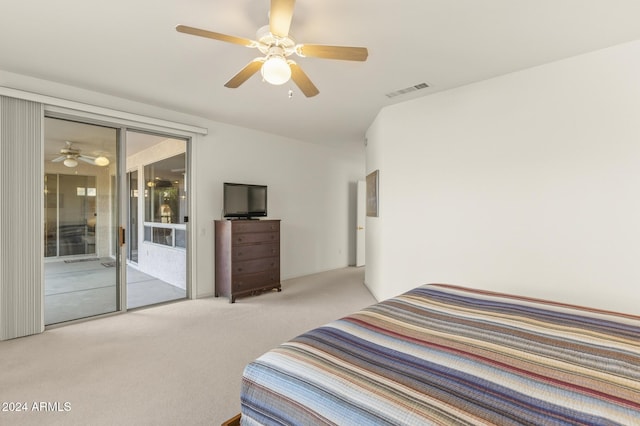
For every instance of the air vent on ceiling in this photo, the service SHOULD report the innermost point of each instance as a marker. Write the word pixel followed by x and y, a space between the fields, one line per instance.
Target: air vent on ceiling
pixel 407 90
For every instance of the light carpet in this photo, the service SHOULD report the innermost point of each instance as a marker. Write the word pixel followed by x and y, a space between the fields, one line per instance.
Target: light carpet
pixel 174 364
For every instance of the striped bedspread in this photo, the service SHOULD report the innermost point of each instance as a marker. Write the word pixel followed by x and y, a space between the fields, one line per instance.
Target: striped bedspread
pixel 442 354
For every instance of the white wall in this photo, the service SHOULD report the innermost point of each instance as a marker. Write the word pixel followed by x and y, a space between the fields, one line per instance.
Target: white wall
pixel 528 183
pixel 310 186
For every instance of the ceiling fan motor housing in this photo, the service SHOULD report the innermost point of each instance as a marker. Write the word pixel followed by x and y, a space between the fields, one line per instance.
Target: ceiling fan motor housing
pixel 266 41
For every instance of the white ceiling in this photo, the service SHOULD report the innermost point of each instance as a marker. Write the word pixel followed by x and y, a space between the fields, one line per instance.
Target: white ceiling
pixel 130 49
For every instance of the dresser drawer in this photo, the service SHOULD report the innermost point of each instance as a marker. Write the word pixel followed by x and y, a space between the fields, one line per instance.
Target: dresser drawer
pixel 243 226
pixel 259 237
pixel 251 281
pixel 247 256
pixel 252 266
pixel 257 251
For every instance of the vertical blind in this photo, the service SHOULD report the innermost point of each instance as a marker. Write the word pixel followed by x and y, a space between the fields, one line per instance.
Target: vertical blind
pixel 21 224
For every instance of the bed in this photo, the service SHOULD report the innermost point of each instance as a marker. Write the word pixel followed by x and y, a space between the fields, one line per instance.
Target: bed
pixel 443 354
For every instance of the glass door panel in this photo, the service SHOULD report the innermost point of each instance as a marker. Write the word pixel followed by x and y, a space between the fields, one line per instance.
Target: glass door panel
pixel 157 219
pixel 81 268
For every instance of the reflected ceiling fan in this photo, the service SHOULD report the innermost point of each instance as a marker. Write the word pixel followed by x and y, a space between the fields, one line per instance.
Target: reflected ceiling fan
pixel 276 44
pixel 70 156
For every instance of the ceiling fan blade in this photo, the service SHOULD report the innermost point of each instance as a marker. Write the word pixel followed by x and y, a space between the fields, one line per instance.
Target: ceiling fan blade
pixel 344 53
pixel 245 73
pixel 59 159
pixel 87 159
pixel 216 36
pixel 280 17
pixel 302 81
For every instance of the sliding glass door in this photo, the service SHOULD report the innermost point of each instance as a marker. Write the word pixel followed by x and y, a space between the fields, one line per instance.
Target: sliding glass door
pixel 94 204
pixel 81 239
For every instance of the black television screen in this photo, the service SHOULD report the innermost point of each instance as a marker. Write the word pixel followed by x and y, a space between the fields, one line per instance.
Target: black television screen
pixel 244 201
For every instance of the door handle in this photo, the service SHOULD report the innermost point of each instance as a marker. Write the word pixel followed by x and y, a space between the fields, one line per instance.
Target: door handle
pixel 121 236
pixel 360 228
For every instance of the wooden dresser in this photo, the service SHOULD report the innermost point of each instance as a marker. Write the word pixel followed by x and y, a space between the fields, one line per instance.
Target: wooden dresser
pixel 247 258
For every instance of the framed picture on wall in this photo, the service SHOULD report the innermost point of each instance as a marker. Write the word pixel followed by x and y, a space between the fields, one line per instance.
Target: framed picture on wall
pixel 372 194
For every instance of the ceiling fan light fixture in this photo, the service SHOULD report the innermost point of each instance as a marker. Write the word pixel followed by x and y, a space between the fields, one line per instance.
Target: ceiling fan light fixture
pixel 70 162
pixel 101 161
pixel 276 70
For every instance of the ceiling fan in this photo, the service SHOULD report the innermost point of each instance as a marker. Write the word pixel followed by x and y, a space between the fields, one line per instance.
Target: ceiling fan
pixel 70 156
pixel 276 44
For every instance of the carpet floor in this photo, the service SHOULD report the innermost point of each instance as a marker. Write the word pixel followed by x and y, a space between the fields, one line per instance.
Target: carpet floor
pixel 174 364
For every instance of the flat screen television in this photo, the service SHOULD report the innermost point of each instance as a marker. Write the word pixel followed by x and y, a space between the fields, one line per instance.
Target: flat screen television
pixel 244 201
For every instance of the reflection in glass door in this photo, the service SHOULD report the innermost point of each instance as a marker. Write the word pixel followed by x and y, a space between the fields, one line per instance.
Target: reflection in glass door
pixel 81 267
pixel 71 226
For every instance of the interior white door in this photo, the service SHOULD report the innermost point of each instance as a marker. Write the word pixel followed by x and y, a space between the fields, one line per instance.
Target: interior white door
pixel 361 212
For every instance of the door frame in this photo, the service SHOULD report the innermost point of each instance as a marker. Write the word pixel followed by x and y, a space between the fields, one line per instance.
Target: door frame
pixel 361 219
